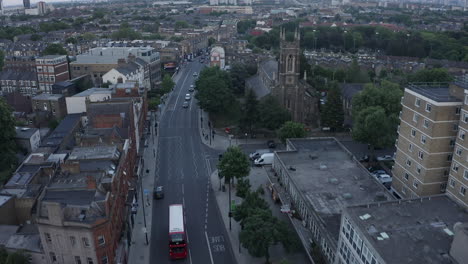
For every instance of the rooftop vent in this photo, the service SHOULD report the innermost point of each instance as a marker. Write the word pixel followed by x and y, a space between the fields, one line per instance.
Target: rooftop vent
pixel 291 168
pixel 333 180
pixel 312 157
pixel 323 167
pixel 365 217
pixel 384 235
pixel 347 196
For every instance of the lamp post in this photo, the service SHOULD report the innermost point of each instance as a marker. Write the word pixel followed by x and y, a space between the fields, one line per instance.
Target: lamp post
pixel 377 41
pixel 407 44
pixel 315 40
pixel 344 40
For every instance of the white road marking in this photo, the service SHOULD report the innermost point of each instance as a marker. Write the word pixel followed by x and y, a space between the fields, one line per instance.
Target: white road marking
pixel 209 247
pixel 190 256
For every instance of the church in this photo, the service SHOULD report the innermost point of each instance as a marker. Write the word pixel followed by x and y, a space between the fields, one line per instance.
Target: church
pixel 282 80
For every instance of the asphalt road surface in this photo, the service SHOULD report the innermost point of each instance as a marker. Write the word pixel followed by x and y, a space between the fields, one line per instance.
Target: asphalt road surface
pixel 183 166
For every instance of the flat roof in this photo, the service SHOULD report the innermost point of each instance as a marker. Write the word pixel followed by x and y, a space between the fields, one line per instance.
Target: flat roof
pixel 91 91
pixel 330 178
pixel 70 197
pixel 438 92
pixel 45 96
pixel 93 153
pixel 25 132
pixel 419 230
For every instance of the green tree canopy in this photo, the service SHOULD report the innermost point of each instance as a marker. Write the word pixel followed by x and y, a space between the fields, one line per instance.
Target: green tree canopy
pixel 332 113
pixel 234 164
pixel 88 36
pixel 252 203
pixel 2 58
pixel 7 137
pixel 239 73
pixel 54 49
pixel 250 114
pixel 181 24
pixel 291 129
pixel 272 114
pixel 167 84
pixel 375 114
pixel 126 32
pixel 214 91
pixel 18 257
pixel 431 75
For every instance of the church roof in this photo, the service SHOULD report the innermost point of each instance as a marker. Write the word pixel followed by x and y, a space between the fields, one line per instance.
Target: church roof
pixel 255 83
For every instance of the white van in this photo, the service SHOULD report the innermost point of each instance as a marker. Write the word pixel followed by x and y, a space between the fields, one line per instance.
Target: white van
pixel 259 152
pixel 265 159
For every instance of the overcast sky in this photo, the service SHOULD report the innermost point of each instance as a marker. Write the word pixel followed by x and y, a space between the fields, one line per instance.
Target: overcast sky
pixel 20 2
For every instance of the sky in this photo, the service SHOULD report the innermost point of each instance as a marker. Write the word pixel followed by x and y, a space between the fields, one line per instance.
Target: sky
pixel 20 2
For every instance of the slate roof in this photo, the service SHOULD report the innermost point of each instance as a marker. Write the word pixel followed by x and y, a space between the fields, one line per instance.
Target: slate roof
pixel 348 90
pixel 17 75
pixel 128 68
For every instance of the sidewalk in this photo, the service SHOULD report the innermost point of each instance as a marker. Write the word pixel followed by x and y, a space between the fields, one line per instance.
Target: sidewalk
pixel 257 177
pixel 139 251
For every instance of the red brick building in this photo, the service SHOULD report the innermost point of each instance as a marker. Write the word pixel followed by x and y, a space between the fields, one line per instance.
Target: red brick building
pixel 50 70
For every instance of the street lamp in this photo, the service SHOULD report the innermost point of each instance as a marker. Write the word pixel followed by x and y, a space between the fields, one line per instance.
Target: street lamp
pixel 344 40
pixel 315 41
pixel 377 41
pixel 407 44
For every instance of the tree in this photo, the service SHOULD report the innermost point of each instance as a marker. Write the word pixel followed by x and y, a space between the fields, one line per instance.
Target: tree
pixel 252 203
pixel 88 36
pixel 234 164
pixel 167 84
pixel 18 257
pixel 181 24
pixel 375 114
pixel 214 91
pixel 291 129
pixel 332 114
pixel 54 49
pixel 260 233
pixel 7 137
pixel 243 187
pixel 431 75
pixel 272 114
pixel 250 113
pixel 211 41
pixel 35 37
pixel 2 57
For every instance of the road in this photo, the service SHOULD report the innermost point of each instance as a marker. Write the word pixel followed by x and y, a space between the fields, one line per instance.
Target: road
pixel 183 166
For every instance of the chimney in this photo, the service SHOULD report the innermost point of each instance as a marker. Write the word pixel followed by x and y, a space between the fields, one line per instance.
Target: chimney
pixel 91 183
pixel 121 62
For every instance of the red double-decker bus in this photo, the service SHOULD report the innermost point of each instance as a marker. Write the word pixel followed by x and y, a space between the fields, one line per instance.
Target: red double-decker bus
pixel 177 239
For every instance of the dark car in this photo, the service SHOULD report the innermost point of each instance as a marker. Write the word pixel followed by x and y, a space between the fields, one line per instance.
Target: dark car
pixel 159 192
pixel 271 144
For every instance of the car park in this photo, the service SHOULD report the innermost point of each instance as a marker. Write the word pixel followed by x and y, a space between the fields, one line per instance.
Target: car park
pixel 158 192
pixel 187 97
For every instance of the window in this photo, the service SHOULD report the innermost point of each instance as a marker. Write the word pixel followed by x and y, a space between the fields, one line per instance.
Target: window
pixel 465 174
pixel 449 157
pixel 455 167
pixel 428 107
pixel 446 173
pixel 410 147
pixel 462 191
pixel 415 184
pixel 452 183
pixel 420 155
pixel 452 142
pixel 443 186
pixel 415 118
pixel 458 110
pixel 89 261
pixel 459 151
pixel 104 260
pixel 73 241
pixel 413 132
pixel 423 139
pixel 408 163
pixel 418 169
pixel 426 123
pixel 466 99
pixel 465 117
pixel 77 260
pixel 101 240
pixel 461 135
pixel 455 127
pixel 406 176
pixel 48 238
pixel 417 102
pixel 53 258
pixel 86 242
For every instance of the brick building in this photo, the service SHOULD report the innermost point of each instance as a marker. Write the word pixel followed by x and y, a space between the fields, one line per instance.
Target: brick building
pixel 51 103
pixel 50 70
pixel 431 148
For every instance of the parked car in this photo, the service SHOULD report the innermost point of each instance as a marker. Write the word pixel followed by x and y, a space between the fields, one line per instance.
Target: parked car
pixel 385 158
pixel 187 97
pixel 265 159
pixel 158 192
pixel 376 173
pixel 364 158
pixel 259 152
pixel 271 144
pixel 386 180
pixel 185 104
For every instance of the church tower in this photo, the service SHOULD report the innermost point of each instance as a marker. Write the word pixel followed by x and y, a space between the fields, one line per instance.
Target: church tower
pixel 290 91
